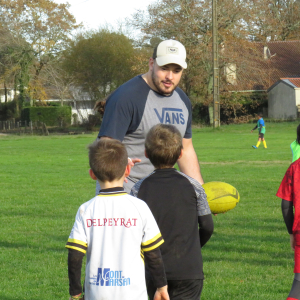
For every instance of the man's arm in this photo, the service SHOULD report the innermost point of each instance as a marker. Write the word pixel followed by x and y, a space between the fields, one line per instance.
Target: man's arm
pixel 188 163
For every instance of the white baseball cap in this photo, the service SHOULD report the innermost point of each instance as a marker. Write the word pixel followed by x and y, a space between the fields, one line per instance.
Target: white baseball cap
pixel 170 52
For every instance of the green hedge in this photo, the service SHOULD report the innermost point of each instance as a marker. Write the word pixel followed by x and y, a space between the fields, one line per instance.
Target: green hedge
pixel 8 111
pixel 50 115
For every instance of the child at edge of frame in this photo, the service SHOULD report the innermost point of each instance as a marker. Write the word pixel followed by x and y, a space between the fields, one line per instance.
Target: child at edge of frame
pixel 289 192
pixel 179 205
pixel 117 232
pixel 295 146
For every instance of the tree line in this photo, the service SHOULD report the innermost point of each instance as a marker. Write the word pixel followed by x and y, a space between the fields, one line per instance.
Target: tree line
pixel 45 54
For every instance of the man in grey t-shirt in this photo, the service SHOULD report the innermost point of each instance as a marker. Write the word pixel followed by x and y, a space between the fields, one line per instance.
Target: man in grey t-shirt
pixel 146 100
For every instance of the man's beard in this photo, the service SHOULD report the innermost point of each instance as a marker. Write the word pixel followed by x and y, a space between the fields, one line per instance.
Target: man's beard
pixel 157 83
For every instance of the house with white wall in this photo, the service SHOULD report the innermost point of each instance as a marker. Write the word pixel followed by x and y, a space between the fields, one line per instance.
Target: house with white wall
pixel 6 94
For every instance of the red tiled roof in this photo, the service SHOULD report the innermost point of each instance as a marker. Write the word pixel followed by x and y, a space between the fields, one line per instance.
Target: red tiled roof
pixel 285 56
pixel 294 81
pixel 256 73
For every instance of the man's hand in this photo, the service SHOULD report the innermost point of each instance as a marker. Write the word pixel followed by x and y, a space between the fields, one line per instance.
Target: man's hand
pixel 162 293
pixel 292 241
pixel 131 163
pixel 252 130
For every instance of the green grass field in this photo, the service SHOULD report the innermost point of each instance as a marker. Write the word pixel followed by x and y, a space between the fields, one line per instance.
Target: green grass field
pixel 45 179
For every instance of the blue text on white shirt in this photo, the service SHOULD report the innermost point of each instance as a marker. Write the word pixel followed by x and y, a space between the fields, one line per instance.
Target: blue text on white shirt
pixel 106 277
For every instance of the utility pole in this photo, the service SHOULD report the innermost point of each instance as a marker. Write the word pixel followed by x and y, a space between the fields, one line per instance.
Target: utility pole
pixel 216 114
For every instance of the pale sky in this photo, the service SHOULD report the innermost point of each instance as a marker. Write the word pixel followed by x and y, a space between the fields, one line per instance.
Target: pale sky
pixel 95 13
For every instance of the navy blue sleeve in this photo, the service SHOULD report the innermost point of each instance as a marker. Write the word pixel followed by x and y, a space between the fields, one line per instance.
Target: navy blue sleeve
pixel 124 109
pixel 117 117
pixel 187 102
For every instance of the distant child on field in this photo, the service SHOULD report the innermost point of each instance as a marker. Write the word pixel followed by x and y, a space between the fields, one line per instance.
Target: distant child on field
pixel 289 192
pixel 261 131
pixel 178 203
pixel 117 232
pixel 295 146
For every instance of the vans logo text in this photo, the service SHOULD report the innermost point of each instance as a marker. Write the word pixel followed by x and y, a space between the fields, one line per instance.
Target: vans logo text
pixel 170 116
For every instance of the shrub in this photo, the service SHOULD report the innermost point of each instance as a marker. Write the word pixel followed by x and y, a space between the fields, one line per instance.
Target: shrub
pixel 50 115
pixel 8 111
pixel 234 108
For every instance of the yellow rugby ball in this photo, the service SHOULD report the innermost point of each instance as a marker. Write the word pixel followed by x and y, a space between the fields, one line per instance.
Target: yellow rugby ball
pixel 221 196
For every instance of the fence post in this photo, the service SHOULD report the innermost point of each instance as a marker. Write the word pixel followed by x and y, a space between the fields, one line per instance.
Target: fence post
pixel 45 129
pixel 41 127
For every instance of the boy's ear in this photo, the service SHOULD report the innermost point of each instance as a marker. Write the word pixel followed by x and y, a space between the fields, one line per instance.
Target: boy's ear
pixel 146 154
pixel 92 174
pixel 181 153
pixel 127 170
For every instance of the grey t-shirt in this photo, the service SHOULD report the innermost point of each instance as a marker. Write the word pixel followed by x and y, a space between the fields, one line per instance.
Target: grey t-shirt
pixel 133 109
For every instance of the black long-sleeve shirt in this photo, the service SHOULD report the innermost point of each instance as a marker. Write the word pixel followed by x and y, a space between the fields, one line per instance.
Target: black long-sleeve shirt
pixel 179 205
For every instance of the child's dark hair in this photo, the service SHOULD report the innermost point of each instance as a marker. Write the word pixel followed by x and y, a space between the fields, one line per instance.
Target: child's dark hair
pixel 298 134
pixel 108 159
pixel 163 145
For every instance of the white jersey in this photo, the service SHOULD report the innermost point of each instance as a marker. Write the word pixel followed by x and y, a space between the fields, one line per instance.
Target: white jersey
pixel 114 229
